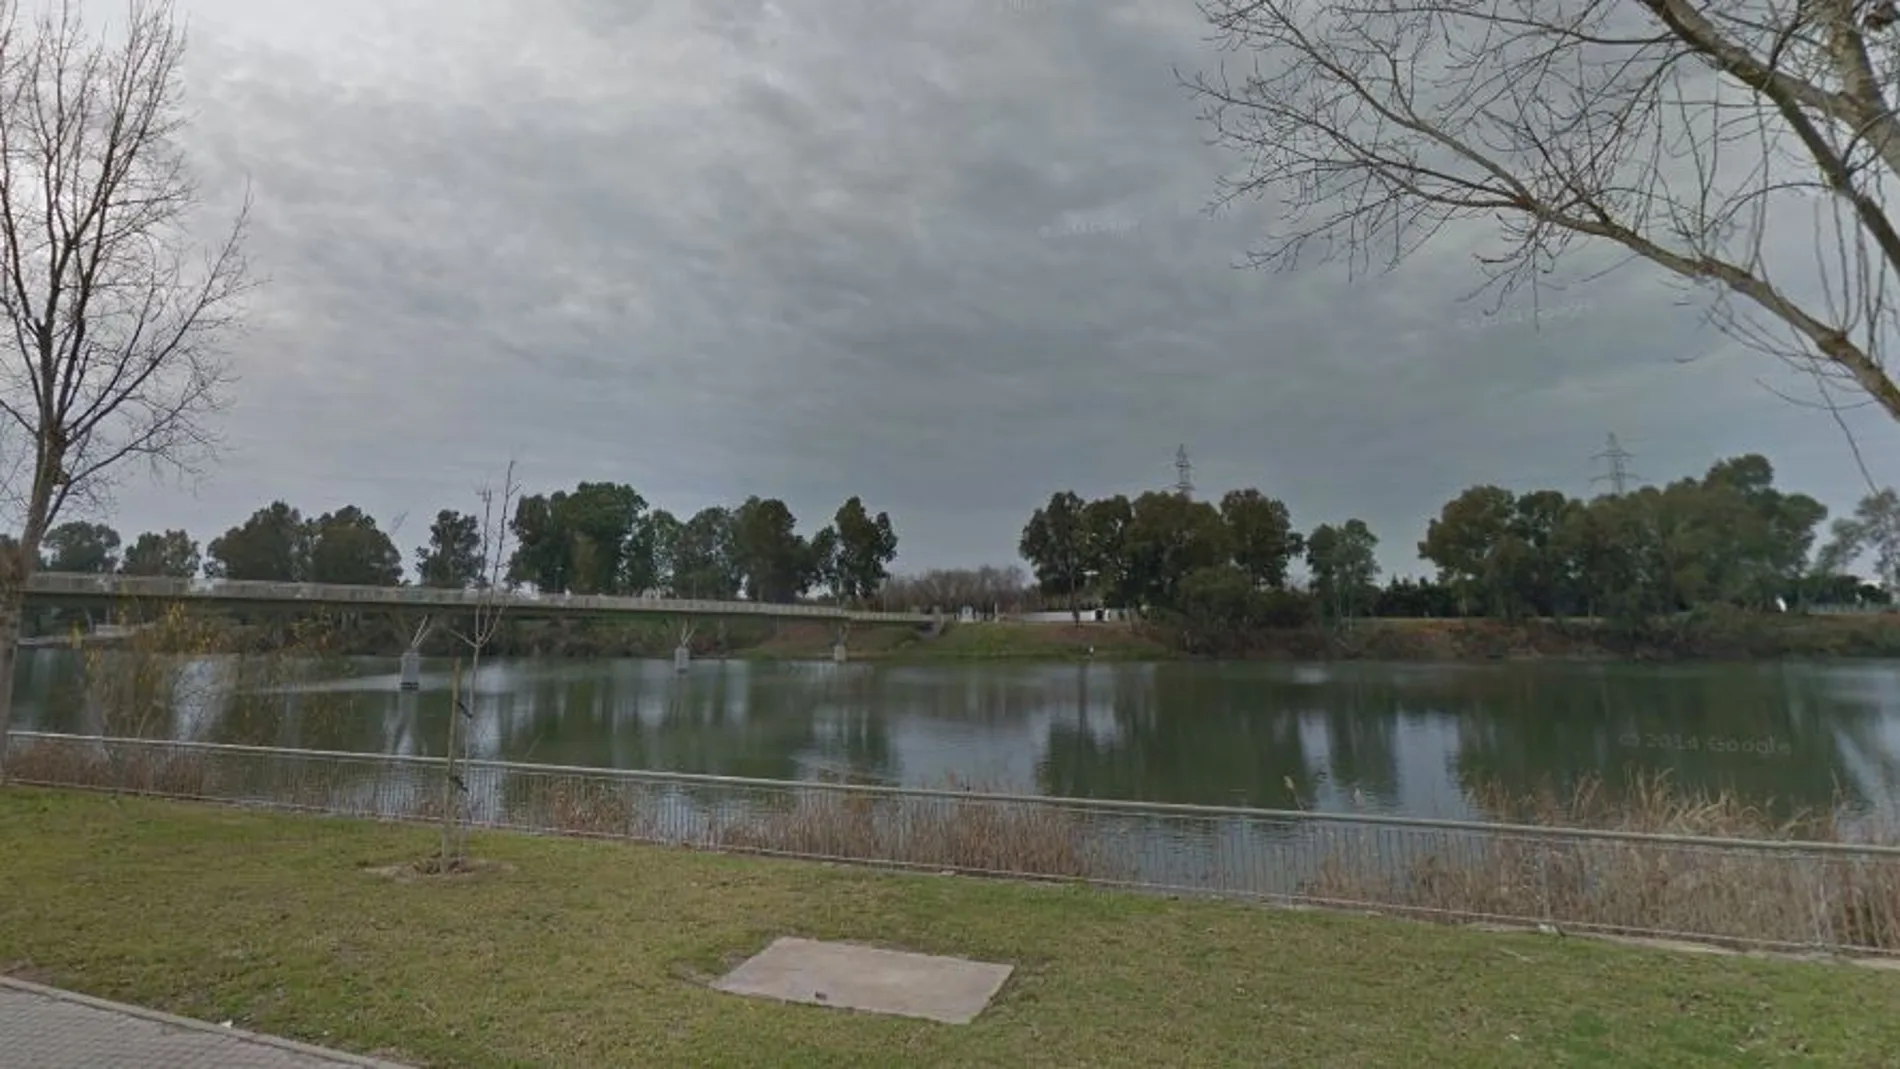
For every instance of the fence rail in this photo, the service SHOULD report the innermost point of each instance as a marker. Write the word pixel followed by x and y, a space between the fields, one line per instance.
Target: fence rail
pixel 66 584
pixel 1842 897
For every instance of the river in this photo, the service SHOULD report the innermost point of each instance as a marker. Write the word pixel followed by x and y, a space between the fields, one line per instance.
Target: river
pixel 1408 739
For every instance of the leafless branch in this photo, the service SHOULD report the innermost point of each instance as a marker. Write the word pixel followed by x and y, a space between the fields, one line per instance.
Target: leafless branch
pixel 490 603
pixel 112 312
pixel 1687 133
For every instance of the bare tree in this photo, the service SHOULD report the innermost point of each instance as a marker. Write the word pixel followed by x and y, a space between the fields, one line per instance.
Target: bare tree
pixel 484 623
pixel 111 312
pixel 1664 129
pixel 950 589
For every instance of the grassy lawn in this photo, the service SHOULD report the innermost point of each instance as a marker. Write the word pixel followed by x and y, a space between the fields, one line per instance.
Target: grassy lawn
pixel 1008 640
pixel 982 641
pixel 591 953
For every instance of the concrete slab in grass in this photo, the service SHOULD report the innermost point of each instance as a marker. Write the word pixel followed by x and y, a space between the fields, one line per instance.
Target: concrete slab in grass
pixel 950 990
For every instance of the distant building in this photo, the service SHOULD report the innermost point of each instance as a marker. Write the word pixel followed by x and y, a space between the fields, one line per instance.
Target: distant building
pixel 1089 616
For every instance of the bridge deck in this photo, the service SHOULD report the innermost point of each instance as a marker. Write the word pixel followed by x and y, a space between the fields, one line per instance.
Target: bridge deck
pixel 58 586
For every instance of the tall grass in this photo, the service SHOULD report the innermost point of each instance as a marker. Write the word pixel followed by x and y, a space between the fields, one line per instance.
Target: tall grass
pixel 973 836
pixel 1703 890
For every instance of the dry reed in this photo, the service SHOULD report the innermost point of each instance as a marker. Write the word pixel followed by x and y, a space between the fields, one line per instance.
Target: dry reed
pixel 1756 894
pixel 1709 891
pixel 973 835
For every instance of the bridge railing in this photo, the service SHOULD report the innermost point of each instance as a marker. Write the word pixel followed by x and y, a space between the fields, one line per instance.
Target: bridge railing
pixel 161 588
pixel 1778 894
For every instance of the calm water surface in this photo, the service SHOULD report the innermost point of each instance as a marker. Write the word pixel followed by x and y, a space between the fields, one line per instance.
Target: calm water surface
pixel 1396 738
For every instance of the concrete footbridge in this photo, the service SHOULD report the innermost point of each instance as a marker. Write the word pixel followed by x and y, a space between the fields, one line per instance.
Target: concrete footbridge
pixel 67 588
pixel 78 589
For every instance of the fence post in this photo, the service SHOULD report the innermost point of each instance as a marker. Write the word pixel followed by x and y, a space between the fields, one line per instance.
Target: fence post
pixel 1543 879
pixel 1824 935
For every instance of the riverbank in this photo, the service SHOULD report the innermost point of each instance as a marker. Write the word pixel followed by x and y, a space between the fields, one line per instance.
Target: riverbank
pixel 1728 636
pixel 958 643
pixel 1723 636
pixel 588 953
pixel 1700 636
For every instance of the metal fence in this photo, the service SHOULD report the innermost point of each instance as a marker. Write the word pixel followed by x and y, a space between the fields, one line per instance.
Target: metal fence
pixel 240 590
pixel 1842 897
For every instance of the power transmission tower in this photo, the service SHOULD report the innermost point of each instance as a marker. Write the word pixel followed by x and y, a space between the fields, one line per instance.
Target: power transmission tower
pixel 1619 476
pixel 1183 472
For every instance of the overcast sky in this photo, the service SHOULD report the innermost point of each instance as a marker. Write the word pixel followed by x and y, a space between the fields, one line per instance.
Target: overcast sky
pixel 944 254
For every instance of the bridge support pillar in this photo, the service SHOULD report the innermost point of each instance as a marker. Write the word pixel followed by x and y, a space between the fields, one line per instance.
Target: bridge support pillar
pixel 410 677
pixel 683 653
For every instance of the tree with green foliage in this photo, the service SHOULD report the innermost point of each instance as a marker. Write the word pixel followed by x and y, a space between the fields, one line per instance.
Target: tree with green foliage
pixel 1219 610
pixel 1216 609
pixel 172 555
pixel 1055 544
pixel 1344 564
pixel 1404 598
pixel 702 559
pixel 541 552
pixel 78 546
pixel 823 562
pixel 643 566
pixel 273 545
pixel 866 545
pixel 1769 534
pixel 1260 531
pixel 1463 542
pixel 774 560
pixel 453 558
pixel 1170 537
pixel 1589 539
pixel 602 522
pixel 663 531
pixel 590 541
pixel 1106 523
pixel 347 548
pixel 1538 577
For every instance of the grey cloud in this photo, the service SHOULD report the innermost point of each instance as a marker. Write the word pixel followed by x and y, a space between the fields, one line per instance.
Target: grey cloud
pixel 946 255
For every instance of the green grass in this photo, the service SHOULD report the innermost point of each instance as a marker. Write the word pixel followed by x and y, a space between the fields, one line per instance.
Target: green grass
pixel 592 953
pixel 812 642
pixel 1004 641
pixel 986 641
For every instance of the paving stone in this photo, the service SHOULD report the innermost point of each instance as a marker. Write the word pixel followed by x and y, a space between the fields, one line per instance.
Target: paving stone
pixel 950 990
pixel 45 1028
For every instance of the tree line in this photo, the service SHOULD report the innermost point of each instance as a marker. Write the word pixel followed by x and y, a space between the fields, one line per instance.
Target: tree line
pixel 599 538
pixel 1225 566
pixel 1728 537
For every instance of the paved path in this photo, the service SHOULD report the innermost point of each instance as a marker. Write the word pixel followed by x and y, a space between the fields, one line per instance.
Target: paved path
pixel 44 1028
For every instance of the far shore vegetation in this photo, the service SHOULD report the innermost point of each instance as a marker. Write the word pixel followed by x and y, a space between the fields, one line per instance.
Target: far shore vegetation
pixel 1722 565
pixel 1707 634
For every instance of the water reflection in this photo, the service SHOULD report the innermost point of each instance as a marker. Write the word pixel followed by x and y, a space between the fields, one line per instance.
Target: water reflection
pixel 1405 738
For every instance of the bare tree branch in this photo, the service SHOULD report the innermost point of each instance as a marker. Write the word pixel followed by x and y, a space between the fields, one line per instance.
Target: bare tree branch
pixel 112 312
pixel 1671 129
pixel 491 602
